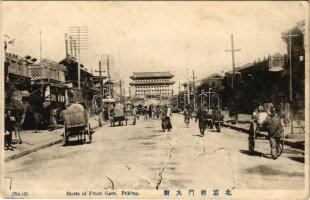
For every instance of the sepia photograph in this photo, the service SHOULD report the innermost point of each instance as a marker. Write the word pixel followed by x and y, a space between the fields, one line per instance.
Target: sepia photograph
pixel 154 100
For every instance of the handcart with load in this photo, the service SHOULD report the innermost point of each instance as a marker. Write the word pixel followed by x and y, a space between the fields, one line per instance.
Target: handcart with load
pixel 117 114
pixel 76 123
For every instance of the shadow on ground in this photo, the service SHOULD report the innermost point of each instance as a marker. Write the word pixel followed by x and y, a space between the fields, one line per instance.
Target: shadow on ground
pixel 298 159
pixel 75 143
pixel 254 153
pixel 268 170
pixel 296 145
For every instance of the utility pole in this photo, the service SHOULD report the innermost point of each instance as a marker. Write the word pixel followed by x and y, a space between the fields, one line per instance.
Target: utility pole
pixel 120 84
pixel 74 47
pixel 120 88
pixel 194 89
pixel 188 94
pixel 179 97
pixel 129 92
pixel 233 50
pixel 108 71
pixel 40 47
pixel 80 36
pixel 66 44
pixel 71 46
pixel 100 77
pixel 291 79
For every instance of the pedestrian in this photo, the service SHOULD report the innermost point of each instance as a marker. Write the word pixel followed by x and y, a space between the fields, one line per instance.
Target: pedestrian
pixel 111 114
pixel 275 132
pixel 100 116
pixel 166 118
pixel 134 114
pixel 201 116
pixel 150 110
pixel 17 124
pixel 37 121
pixel 8 131
pixel 53 117
pixel 157 112
pixel 154 110
pixel 187 114
pixel 145 112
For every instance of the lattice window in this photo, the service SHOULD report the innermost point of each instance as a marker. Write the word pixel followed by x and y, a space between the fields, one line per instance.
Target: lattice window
pixel 36 72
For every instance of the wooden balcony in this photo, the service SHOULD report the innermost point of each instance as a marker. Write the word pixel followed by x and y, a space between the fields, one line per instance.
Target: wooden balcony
pixel 43 72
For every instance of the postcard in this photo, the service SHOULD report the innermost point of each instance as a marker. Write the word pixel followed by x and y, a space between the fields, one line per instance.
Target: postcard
pixel 155 100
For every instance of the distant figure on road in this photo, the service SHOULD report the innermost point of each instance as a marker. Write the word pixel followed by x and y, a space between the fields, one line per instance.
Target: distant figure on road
pixel 145 112
pixel 187 115
pixel 201 116
pixel 150 110
pixel 134 114
pixel 165 116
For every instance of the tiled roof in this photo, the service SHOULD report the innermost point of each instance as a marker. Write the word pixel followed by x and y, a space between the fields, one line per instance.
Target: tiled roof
pixel 153 83
pixel 151 75
pixel 215 76
pixel 300 26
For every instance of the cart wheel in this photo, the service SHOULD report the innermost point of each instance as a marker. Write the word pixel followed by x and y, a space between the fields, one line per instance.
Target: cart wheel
pixel 252 138
pixel 251 145
pixel 218 127
pixel 89 134
pixel 280 148
pixel 66 139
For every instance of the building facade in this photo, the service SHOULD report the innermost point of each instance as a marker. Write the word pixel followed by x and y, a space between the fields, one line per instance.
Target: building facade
pixel 151 84
pixel 294 39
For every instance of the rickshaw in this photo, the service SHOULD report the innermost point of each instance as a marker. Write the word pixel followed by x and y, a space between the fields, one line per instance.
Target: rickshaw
pixel 76 123
pixel 218 120
pixel 209 119
pixel 259 124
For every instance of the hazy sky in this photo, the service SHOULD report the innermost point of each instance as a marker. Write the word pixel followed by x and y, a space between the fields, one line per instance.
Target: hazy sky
pixel 154 36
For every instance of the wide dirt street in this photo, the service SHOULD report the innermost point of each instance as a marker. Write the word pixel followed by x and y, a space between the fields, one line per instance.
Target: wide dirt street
pixel 144 157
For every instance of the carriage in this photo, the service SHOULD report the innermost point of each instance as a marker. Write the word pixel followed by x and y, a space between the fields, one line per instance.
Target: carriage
pixel 76 123
pixel 258 125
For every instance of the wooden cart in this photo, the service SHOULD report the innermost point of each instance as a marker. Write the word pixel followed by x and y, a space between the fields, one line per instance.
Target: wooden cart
pixel 76 123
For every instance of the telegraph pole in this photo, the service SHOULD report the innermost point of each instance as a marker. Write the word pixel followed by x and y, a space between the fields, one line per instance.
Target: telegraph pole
pixel 108 71
pixel 120 88
pixel 188 95
pixel 100 77
pixel 291 79
pixel 79 35
pixel 129 92
pixel 71 46
pixel 194 89
pixel 233 50
pixel 66 44
pixel 179 97
pixel 40 46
